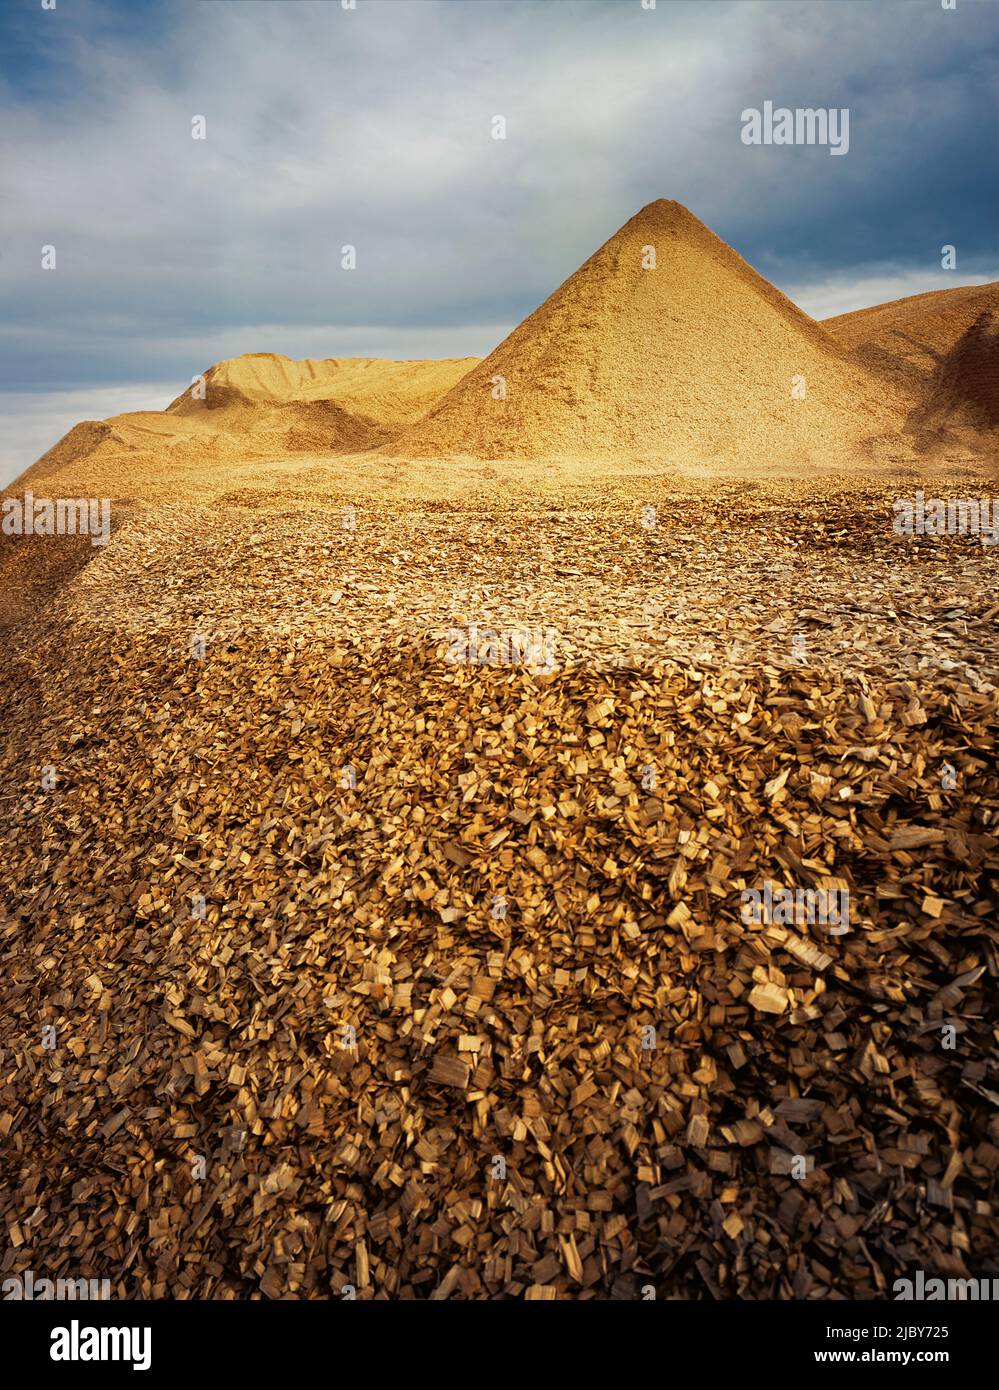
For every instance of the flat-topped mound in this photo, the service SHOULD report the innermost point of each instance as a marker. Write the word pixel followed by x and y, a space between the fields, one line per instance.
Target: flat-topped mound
pixel 386 393
pixel 261 406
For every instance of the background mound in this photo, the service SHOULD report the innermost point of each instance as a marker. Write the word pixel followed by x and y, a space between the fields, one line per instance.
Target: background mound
pixel 87 440
pixel 907 339
pixel 260 406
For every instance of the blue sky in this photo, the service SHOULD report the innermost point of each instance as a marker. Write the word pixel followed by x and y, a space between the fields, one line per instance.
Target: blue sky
pixel 371 126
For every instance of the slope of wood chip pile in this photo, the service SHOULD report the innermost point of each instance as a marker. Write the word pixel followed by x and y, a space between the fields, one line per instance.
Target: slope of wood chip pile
pixel 469 1008
pixel 716 580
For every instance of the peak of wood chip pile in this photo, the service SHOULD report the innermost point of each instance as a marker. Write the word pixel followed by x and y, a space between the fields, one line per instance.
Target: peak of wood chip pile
pixel 329 964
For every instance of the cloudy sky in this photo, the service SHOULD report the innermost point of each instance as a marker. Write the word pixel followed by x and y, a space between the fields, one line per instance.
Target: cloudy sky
pixel 372 127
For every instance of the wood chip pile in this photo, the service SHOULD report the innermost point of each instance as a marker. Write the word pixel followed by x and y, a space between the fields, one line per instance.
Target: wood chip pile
pixel 329 964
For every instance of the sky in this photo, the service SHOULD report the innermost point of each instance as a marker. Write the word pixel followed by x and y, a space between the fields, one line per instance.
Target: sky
pixel 373 127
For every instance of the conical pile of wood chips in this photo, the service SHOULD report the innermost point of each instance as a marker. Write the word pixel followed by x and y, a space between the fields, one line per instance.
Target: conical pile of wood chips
pixel 664 344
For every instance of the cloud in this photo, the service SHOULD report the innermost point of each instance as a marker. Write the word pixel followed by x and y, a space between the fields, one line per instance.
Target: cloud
pixel 31 422
pixel 842 294
pixel 372 127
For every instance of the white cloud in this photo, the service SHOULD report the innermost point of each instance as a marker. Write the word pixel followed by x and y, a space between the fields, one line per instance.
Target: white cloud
pixel 31 422
pixel 842 294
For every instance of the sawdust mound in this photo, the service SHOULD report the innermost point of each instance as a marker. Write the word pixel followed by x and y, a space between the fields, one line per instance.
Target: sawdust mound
pixel 965 388
pixel 696 355
pixel 145 454
pixel 907 339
